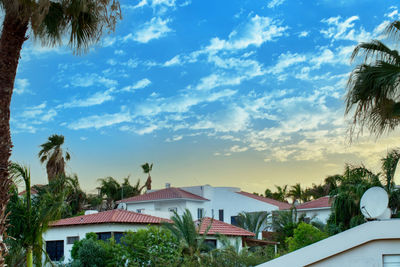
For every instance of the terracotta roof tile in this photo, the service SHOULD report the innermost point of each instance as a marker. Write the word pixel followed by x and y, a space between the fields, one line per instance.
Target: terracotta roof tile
pixel 110 216
pixel 218 227
pixel 281 205
pixel 167 193
pixel 322 202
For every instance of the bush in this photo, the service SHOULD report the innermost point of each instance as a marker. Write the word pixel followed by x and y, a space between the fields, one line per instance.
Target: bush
pixel 304 235
pixel 151 247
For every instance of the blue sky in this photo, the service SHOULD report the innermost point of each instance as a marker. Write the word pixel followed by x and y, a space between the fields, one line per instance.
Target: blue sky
pixel 235 93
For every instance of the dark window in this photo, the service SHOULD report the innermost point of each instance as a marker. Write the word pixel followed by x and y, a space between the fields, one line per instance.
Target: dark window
pixel 221 215
pixel 211 243
pixel 117 237
pixel 234 220
pixel 200 213
pixel 104 236
pixel 55 249
pixel 72 239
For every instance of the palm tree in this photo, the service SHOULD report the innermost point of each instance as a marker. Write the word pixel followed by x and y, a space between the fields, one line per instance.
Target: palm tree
pixel 373 86
pixel 254 222
pixel 147 168
pixel 281 192
pixel 296 192
pixel 110 189
pixel 82 22
pixel 185 230
pixel 53 155
pixel 389 166
pixel 31 216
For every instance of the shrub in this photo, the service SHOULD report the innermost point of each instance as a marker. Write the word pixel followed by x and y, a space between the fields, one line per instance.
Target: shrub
pixel 151 247
pixel 304 235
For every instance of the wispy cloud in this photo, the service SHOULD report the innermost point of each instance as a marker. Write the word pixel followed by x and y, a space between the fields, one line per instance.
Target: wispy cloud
pixel 92 79
pixel 156 28
pixel 97 98
pixel 100 121
pixel 275 3
pixel 138 85
pixel 21 86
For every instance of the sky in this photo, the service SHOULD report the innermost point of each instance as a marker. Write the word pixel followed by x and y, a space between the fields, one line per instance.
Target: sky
pixel 228 93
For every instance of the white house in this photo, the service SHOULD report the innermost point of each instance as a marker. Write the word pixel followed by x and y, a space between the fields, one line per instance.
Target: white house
pixel 318 209
pixel 222 203
pixel 375 243
pixel 62 234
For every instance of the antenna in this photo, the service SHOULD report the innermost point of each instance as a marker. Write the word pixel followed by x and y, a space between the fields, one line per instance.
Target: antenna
pixel 374 203
pixel 121 206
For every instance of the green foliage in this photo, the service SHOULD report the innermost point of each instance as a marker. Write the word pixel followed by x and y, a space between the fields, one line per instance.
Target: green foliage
pixel 254 222
pixel 91 253
pixel 304 235
pixel 151 247
pixel 185 230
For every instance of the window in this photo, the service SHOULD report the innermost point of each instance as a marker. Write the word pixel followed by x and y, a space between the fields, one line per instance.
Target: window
pixel 211 243
pixel 104 236
pixel 72 239
pixel 391 260
pixel 221 215
pixel 139 210
pixel 118 236
pixel 173 209
pixel 200 213
pixel 234 220
pixel 55 249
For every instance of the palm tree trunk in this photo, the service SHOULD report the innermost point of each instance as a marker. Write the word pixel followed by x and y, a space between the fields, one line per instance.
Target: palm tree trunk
pixel 11 41
pixel 29 257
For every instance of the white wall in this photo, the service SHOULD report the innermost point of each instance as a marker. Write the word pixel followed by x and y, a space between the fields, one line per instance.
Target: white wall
pixel 370 254
pixel 316 214
pixel 61 233
pixel 141 205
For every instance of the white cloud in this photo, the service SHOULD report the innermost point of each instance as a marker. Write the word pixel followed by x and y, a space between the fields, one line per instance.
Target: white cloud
pixel 96 99
pixel 253 33
pixel 154 29
pixel 21 86
pixel 303 34
pixel 100 121
pixel 138 85
pixel 275 3
pixel 287 60
pixel 92 79
pixel 237 149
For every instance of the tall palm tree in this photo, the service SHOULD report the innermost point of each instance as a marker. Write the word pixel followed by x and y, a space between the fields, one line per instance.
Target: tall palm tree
pixel 147 168
pixel 389 166
pixel 281 192
pixel 254 222
pixel 82 22
pixel 31 216
pixel 52 154
pixel 373 86
pixel 110 189
pixel 296 192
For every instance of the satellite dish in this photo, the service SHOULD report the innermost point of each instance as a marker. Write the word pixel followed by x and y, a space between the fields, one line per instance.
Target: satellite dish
pixel 121 206
pixel 374 202
pixel 386 215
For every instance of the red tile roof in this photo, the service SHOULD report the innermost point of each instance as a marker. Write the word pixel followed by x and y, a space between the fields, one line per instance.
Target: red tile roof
pixel 33 189
pixel 110 216
pixel 167 193
pixel 218 227
pixel 281 205
pixel 322 202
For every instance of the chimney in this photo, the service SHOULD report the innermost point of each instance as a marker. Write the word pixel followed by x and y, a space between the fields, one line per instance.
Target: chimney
pixel 167 185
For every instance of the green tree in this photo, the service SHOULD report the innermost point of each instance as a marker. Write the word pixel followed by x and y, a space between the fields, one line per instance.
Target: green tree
pixel 373 86
pixel 82 22
pixel 31 216
pixel 147 168
pixel 304 235
pixel 186 231
pixel 153 246
pixel 389 166
pixel 110 189
pixel 296 192
pixel 254 222
pixel 52 154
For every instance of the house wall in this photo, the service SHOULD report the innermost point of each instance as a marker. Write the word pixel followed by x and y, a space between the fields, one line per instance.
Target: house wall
pixel 61 233
pixel 369 254
pixel 229 200
pixel 316 214
pixel 141 205
pixel 235 241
